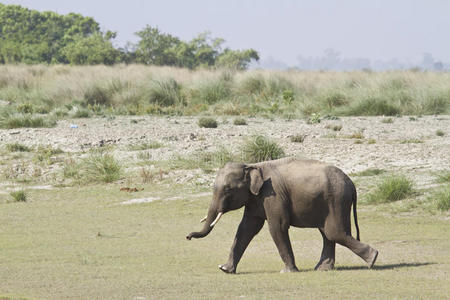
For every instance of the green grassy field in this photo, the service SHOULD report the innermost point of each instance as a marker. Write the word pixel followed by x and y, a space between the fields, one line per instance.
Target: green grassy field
pixel 82 243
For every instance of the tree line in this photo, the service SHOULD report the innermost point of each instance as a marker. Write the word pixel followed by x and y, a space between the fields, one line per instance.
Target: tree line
pixel 33 37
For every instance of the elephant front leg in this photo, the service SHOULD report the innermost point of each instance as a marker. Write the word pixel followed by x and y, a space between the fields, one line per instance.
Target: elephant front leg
pixel 248 228
pixel 280 236
pixel 326 261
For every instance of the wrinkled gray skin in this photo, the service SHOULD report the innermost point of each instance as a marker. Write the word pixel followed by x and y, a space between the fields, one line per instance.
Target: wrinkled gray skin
pixel 287 192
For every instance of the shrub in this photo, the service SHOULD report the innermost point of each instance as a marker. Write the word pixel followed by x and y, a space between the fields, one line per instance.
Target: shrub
pixel 19 196
pixel 441 199
pixel 440 132
pixel 239 121
pixel 298 138
pixel 81 112
pixel 17 147
pixel 387 120
pixel 392 188
pixel 207 123
pixel 259 148
pixel 313 119
pixel 253 84
pixel 25 108
pixel 357 135
pixel 411 141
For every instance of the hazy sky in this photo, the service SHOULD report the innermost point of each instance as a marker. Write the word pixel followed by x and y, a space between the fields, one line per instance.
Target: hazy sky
pixel 282 29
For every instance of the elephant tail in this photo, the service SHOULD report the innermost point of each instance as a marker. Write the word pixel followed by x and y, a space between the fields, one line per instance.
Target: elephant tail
pixel 355 214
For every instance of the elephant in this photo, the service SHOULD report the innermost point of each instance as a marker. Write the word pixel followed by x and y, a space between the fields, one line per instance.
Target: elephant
pixel 287 192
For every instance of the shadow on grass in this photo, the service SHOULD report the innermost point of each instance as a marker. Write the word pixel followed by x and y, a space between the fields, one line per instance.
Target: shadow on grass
pixel 349 268
pixel 385 267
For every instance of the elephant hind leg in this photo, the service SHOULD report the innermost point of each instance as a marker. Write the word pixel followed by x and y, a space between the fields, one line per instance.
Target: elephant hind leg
pixel 367 253
pixel 327 257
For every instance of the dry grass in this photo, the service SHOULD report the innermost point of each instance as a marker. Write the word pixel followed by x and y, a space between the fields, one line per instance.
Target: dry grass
pixel 136 89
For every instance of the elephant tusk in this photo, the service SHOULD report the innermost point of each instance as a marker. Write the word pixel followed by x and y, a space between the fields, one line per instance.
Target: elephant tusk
pixel 203 220
pixel 216 220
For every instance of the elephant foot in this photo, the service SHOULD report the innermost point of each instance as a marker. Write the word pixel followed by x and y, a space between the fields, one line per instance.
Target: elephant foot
pixel 227 269
pixel 324 267
pixel 372 259
pixel 289 270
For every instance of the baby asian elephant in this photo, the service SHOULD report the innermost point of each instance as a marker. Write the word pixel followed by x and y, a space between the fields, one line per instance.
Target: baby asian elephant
pixel 287 192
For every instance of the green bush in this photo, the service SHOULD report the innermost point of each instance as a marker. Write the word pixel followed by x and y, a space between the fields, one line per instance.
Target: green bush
pixel 17 147
pixel 101 167
pixel 19 196
pixel 392 188
pixel 259 148
pixel 207 122
pixel 25 108
pixel 440 132
pixel 239 121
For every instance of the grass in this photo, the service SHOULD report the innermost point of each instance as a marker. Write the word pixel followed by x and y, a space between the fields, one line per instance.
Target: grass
pixel 298 138
pixel 411 141
pixel 17 147
pixel 207 161
pixel 207 122
pixel 369 172
pixel 392 188
pixel 81 241
pixel 259 148
pixel 138 90
pixel 98 167
pixel 336 127
pixel 444 177
pixel 441 199
pixel 19 196
pixel 25 120
pixel 145 146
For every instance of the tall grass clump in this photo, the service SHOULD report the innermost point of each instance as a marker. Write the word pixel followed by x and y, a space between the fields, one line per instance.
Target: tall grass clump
pixel 166 92
pixel 98 167
pixel 392 188
pixel 102 167
pixel 212 91
pixel 17 147
pixel 97 95
pixel 25 121
pixel 259 148
pixel 372 106
pixel 441 199
pixel 19 196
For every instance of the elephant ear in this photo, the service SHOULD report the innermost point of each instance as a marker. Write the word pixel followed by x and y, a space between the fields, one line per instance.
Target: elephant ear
pixel 256 179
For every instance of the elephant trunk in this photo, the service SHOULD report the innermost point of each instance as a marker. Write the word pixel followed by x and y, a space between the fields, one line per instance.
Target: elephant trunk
pixel 211 219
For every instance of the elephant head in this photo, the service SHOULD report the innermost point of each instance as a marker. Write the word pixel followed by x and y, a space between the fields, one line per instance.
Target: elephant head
pixel 234 186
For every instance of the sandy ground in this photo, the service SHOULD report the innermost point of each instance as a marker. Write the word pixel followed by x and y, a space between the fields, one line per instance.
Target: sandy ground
pixel 407 145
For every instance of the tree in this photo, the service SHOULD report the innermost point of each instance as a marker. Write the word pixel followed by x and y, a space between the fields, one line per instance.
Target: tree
pixel 156 48
pixel 236 59
pixel 91 50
